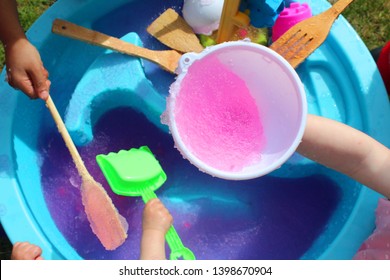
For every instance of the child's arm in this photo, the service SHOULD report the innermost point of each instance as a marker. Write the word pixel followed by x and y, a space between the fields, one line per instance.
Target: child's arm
pixel 349 151
pixel 10 29
pixel 25 70
pixel 26 251
pixel 155 224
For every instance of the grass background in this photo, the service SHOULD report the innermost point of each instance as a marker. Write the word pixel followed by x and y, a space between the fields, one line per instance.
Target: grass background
pixel 370 18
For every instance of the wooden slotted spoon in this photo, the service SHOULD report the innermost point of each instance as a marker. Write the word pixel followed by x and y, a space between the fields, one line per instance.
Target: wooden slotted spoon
pixel 168 60
pixel 103 217
pixel 306 36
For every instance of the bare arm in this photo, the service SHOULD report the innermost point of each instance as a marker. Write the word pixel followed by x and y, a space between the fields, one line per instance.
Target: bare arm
pixel 25 70
pixel 155 224
pixel 10 29
pixel 349 151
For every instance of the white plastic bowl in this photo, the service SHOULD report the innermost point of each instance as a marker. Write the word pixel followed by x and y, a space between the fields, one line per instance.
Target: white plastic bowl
pixel 278 94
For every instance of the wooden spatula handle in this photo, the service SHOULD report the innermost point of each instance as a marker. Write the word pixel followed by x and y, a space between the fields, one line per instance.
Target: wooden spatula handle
pixel 168 59
pixel 75 31
pixel 340 6
pixel 231 18
pixel 67 139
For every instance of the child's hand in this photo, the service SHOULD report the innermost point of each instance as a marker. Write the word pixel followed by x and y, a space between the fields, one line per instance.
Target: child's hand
pixel 156 216
pixel 25 70
pixel 156 221
pixel 26 251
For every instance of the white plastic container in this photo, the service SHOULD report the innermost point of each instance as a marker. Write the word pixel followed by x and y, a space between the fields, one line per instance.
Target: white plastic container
pixel 277 93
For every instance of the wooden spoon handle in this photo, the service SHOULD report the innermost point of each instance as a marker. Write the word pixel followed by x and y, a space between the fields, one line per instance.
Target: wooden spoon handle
pixel 75 31
pixel 231 18
pixel 340 6
pixel 68 140
pixel 168 60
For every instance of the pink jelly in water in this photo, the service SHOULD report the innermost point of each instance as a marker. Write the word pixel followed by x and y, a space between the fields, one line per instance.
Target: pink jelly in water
pixel 217 117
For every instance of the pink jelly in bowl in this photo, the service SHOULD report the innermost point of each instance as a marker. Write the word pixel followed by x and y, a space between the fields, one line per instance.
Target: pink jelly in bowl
pixel 237 110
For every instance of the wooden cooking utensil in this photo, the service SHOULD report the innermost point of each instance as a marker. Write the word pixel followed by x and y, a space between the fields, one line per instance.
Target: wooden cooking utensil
pixel 231 18
pixel 168 60
pixel 173 31
pixel 102 215
pixel 306 36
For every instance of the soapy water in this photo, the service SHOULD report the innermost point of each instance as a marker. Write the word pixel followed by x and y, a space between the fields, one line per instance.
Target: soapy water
pixel 264 218
pixel 216 116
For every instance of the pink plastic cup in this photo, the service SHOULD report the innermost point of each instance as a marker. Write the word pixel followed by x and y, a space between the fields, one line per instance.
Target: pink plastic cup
pixel 289 17
pixel 237 110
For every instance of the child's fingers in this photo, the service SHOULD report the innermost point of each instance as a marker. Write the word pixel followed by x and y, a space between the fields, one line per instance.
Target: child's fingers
pixel 26 86
pixel 153 201
pixel 39 81
pixel 156 216
pixel 26 251
pixel 36 252
pixel 31 251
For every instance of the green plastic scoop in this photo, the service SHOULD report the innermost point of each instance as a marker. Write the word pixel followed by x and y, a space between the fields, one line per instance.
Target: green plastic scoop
pixel 136 172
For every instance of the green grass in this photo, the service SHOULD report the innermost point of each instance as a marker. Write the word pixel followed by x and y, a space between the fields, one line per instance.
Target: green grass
pixel 370 18
pixel 30 10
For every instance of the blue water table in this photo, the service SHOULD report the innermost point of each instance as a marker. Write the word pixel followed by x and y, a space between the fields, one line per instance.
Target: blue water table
pixel 112 102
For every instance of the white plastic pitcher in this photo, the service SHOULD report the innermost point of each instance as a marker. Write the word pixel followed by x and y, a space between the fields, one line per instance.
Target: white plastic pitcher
pixel 276 92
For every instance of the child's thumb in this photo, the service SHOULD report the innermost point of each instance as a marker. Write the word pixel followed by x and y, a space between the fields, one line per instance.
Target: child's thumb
pixel 41 84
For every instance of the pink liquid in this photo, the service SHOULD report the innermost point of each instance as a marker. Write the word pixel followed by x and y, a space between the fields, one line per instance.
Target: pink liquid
pixel 217 118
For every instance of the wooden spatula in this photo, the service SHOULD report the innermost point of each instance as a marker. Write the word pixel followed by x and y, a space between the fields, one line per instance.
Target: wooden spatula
pixel 305 37
pixel 173 31
pixel 103 217
pixel 168 60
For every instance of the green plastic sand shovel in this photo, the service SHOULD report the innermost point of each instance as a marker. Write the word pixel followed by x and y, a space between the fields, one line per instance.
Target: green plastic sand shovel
pixel 137 173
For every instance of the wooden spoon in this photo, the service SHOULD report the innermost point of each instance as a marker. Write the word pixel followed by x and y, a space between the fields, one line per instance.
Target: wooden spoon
pixel 306 36
pixel 168 60
pixel 103 217
pixel 173 31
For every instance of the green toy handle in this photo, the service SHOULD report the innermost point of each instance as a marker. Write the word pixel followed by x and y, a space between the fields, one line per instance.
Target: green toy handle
pixel 178 251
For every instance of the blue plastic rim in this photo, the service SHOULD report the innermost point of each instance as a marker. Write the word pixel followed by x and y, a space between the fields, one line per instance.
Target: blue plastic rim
pixel 340 79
